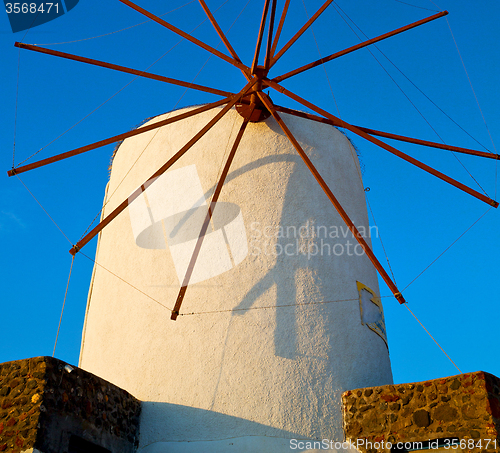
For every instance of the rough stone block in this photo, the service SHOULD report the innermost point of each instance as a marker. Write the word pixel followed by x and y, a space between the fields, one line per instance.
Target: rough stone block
pixel 466 406
pixel 42 410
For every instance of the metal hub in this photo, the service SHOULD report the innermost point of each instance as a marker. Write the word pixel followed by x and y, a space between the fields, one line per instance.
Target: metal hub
pixel 251 107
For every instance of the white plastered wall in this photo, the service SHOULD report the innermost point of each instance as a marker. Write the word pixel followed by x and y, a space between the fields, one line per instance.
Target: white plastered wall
pixel 256 375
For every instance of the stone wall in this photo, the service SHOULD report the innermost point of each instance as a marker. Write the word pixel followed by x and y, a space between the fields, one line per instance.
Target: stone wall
pixel 466 406
pixel 49 405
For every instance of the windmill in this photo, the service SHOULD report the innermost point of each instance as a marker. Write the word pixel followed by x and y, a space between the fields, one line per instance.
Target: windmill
pixel 254 105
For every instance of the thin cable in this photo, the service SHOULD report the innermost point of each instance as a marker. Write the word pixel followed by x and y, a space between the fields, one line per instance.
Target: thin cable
pixel 475 97
pixel 29 28
pixel 64 303
pixel 101 105
pixel 417 88
pixel 351 148
pixel 435 341
pixel 39 204
pixel 477 101
pixel 77 123
pixel 116 188
pixel 16 108
pixel 434 130
pixel 419 7
pixel 270 307
pixel 172 110
pixel 383 68
pixel 434 104
pixel 332 93
pixel 404 93
pixel 119 91
pixel 124 281
pixel 223 311
pixel 380 238
pixel 449 247
pixel 113 32
pixel 17 91
pixel 221 168
pixel 322 64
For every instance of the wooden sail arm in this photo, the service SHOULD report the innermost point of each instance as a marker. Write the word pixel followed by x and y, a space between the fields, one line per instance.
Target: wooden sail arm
pixel 187 36
pixel 222 36
pixel 116 138
pixel 358 46
pixel 280 27
pixel 400 138
pixel 219 30
pixel 300 32
pixel 98 228
pixel 357 235
pixel 255 61
pixel 267 60
pixel 123 69
pixel 383 145
pixel 213 206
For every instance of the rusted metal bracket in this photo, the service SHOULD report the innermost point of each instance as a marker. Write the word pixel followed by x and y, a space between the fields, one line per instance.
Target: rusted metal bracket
pixel 251 106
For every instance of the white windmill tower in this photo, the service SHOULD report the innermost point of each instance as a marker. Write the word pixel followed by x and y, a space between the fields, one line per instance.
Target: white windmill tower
pixel 235 198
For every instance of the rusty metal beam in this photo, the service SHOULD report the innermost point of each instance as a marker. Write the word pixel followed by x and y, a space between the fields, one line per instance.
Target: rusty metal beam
pixel 116 138
pixel 358 46
pixel 300 32
pixel 267 60
pixel 116 67
pixel 383 145
pixel 219 30
pixel 280 27
pixel 98 228
pixel 418 141
pixel 400 138
pixel 259 37
pixel 222 36
pixel 357 235
pixel 186 35
pixel 213 205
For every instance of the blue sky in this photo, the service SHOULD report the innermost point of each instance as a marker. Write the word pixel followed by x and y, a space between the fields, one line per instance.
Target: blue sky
pixel 417 215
